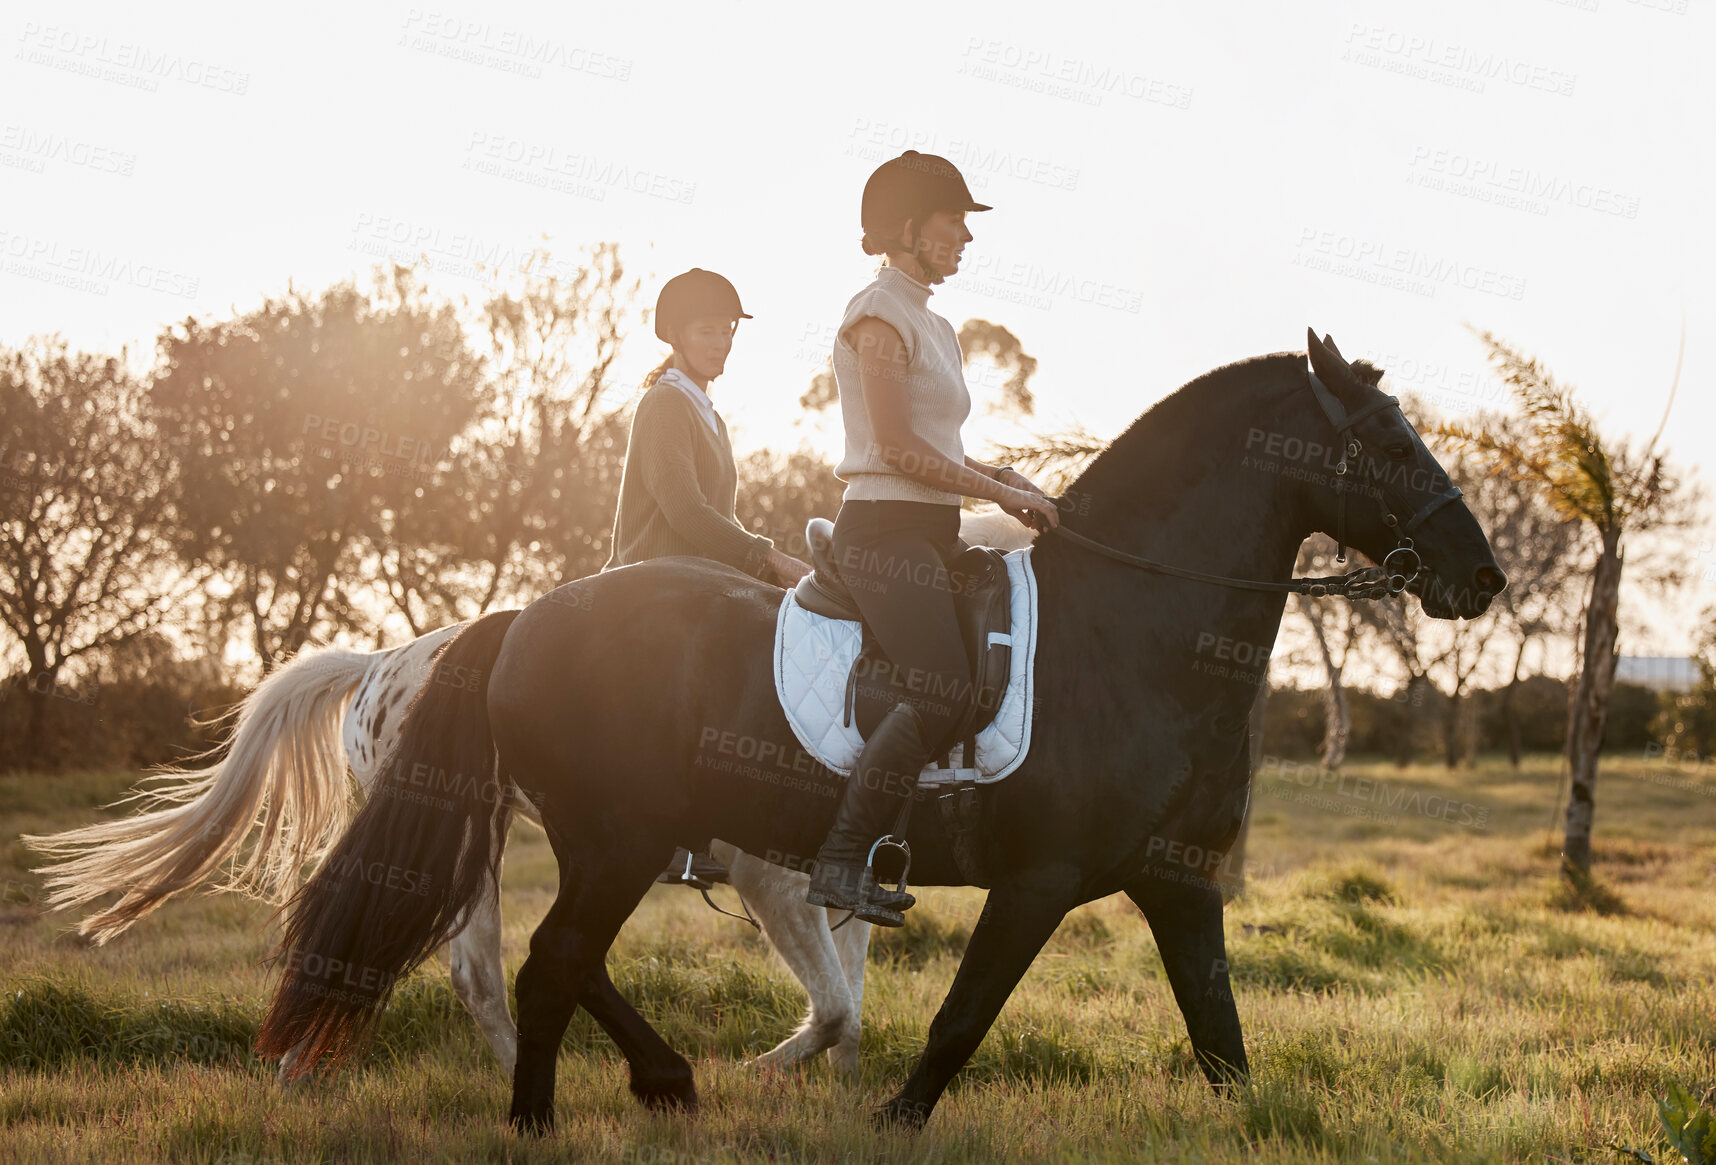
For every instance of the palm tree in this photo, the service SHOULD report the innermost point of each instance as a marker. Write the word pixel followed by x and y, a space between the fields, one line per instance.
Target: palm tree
pixel 1604 486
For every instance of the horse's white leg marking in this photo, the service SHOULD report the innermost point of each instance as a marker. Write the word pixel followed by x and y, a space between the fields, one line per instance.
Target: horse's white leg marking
pixel 286 1062
pixel 479 977
pixel 799 933
pixel 852 941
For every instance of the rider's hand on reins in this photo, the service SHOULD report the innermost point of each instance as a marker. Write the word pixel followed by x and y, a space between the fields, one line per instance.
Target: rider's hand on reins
pixel 1033 509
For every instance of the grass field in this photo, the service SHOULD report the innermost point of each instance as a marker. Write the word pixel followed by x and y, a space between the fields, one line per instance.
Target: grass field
pixel 1412 986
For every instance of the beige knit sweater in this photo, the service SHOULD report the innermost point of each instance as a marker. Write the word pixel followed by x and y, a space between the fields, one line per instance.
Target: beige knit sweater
pixel 678 489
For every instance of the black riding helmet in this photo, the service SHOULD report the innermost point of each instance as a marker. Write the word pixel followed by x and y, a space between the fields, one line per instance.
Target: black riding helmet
pixel 696 294
pixel 912 186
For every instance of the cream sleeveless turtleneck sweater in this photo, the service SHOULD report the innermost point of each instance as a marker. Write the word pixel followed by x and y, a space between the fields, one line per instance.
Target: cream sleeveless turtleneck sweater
pixel 935 384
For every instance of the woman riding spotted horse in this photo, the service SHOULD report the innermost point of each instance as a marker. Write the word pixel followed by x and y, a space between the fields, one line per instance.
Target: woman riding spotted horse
pixel 680 483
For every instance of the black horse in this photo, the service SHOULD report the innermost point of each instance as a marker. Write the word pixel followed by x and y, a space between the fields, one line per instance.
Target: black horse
pixel 617 703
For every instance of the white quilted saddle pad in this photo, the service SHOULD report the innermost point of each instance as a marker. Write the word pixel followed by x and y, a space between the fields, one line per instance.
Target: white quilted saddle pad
pixel 813 657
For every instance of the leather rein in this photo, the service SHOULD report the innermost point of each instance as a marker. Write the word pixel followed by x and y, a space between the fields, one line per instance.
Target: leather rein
pixel 1399 568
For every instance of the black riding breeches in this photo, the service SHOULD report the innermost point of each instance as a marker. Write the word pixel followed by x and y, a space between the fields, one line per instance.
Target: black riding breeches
pixel 894 558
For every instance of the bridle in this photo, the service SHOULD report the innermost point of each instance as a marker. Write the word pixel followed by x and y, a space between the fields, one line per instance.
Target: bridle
pixel 1400 566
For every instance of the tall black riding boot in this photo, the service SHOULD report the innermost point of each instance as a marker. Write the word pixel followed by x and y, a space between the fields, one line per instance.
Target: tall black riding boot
pixel 886 775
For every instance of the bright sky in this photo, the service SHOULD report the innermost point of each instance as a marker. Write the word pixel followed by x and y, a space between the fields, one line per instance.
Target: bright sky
pixel 1176 186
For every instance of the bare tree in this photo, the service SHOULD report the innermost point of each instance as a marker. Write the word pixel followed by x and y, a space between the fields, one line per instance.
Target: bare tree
pixel 1609 489
pixel 86 560
pixel 1546 567
pixel 526 498
pixel 300 427
pixel 1335 629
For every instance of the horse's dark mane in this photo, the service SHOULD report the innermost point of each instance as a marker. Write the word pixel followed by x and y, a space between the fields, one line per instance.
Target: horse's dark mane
pixel 1188 407
pixel 1179 413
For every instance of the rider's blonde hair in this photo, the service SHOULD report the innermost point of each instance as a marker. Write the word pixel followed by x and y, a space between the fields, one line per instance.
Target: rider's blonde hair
pixel 656 373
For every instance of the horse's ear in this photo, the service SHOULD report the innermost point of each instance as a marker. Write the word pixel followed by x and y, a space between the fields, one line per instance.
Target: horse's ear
pixel 1327 364
pixel 1329 343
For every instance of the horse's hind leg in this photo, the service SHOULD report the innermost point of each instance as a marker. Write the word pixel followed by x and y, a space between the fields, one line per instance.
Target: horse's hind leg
pixel 479 976
pixel 564 969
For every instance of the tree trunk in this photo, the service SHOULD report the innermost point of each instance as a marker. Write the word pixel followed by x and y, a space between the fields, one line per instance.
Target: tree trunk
pixel 1451 732
pixel 1231 872
pixel 1510 713
pixel 1591 701
pixel 1405 721
pixel 1337 722
pixel 38 684
pixel 35 742
pixel 1337 716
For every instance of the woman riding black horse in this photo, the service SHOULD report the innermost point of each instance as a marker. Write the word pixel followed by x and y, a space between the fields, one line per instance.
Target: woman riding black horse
pixel 899 370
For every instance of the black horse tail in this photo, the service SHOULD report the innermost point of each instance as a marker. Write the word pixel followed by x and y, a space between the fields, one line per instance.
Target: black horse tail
pixel 397 884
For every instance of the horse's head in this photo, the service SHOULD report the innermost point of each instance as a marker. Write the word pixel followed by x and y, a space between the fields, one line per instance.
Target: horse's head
pixel 1399 506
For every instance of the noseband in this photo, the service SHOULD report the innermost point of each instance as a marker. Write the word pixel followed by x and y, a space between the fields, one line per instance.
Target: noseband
pixel 1396 563
pixel 1400 566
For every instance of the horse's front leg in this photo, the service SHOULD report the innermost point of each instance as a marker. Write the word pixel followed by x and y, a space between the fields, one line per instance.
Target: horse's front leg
pixel 1187 923
pixel 1015 924
pixel 852 940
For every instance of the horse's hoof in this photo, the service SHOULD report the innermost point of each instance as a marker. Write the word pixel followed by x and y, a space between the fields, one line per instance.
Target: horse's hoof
pixel 531 1124
pixel 900 1113
pixel 674 1093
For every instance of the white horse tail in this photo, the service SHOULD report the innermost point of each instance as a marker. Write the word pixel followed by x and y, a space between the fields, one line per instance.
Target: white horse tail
pixel 283 777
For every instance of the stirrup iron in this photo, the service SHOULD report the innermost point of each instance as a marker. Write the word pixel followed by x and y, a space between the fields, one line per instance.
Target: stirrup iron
pixel 889 841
